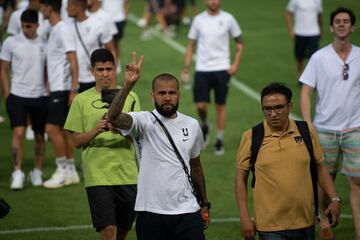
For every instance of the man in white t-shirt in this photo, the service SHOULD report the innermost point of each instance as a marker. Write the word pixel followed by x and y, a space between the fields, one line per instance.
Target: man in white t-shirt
pixel 25 54
pixel 95 10
pixel 335 74
pixel 62 69
pixel 165 202
pixel 211 31
pixel 90 34
pixel 119 10
pixel 14 26
pixel 304 23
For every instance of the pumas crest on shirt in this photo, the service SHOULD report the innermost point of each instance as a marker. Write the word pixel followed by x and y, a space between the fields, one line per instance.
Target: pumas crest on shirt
pixel 298 139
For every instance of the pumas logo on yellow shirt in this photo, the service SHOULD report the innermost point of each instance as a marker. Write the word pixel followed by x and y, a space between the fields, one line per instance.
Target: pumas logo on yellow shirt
pixel 298 139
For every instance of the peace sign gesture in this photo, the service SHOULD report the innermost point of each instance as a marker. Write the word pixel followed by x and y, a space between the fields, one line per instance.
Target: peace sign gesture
pixel 132 70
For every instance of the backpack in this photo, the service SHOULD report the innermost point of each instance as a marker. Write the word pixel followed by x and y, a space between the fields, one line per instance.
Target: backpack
pixel 257 137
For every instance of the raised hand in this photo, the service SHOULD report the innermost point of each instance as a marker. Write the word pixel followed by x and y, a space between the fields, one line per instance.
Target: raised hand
pixel 132 70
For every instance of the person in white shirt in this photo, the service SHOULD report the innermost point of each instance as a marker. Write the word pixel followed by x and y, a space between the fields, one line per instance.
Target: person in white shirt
pixel 62 69
pixel 25 54
pixel 95 10
pixel 119 10
pixel 14 26
pixel 335 74
pixel 304 23
pixel 211 31
pixel 90 34
pixel 167 197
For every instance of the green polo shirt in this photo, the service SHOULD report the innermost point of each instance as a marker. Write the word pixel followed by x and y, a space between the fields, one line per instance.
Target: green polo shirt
pixel 109 159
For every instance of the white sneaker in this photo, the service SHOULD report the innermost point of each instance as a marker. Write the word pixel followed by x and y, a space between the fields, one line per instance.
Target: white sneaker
pixel 29 133
pixel 35 177
pixel 72 177
pixel 57 180
pixel 17 180
pixel 2 119
pixel 141 22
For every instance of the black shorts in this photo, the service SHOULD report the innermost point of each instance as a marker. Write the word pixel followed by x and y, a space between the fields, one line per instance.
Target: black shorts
pixel 154 6
pixel 85 86
pixel 205 81
pixel 120 27
pixel 58 108
pixel 151 226
pixel 19 108
pixel 305 46
pixel 112 205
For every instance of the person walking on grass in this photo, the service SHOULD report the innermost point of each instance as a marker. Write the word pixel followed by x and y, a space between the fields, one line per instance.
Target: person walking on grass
pixel 334 73
pixel 109 163
pixel 286 173
pixel 211 31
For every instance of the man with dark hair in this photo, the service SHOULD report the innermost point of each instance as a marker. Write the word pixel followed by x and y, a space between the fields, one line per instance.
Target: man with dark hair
pixel 334 72
pixel 25 54
pixel 170 172
pixel 63 73
pixel 109 163
pixel 283 191
pixel 210 33
pixel 90 35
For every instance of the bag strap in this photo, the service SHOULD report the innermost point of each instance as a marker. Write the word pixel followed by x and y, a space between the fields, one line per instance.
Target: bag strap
pixel 186 170
pixel 257 137
pixel 81 41
pixel 305 134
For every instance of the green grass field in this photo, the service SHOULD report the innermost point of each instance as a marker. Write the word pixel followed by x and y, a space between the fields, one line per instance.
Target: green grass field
pixel 38 213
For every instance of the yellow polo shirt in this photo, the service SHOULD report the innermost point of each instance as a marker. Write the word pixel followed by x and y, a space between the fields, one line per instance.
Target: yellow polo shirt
pixel 283 195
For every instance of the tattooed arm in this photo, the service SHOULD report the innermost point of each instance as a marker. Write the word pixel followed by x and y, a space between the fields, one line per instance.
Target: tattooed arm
pixel 116 117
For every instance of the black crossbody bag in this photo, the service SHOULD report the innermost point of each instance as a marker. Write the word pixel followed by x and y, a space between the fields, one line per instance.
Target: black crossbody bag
pixel 186 170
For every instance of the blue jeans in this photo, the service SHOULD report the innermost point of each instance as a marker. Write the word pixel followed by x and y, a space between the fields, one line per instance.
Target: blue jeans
pixel 296 234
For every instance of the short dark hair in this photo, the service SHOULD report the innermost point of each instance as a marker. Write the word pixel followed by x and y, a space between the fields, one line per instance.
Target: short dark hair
pixel 29 16
pixel 277 87
pixel 82 3
pixel 55 4
pixel 165 77
pixel 343 10
pixel 101 55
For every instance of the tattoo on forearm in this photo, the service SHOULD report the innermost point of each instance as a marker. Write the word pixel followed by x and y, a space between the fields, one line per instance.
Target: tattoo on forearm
pixel 117 105
pixel 124 121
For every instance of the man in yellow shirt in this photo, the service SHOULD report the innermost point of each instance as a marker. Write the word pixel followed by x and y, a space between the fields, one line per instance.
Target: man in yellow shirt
pixel 283 194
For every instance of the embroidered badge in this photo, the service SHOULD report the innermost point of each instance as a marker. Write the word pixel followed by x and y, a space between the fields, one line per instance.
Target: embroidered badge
pixel 298 139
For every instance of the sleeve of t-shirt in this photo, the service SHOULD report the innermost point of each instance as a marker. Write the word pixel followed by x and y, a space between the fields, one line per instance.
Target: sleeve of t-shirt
pixel 68 38
pixel 137 106
pixel 13 25
pixel 318 152
pixel 137 126
pixel 6 53
pixel 291 6
pixel 74 120
pixel 235 30
pixel 199 143
pixel 244 153
pixel 308 77
pixel 193 32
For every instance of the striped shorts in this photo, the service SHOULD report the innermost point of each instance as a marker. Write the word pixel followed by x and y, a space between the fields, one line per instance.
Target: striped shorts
pixel 341 147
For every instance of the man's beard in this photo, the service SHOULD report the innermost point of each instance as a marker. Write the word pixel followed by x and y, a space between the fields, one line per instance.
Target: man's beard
pixel 165 112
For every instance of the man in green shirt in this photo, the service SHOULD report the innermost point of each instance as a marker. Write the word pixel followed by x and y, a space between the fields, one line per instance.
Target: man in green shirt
pixel 109 164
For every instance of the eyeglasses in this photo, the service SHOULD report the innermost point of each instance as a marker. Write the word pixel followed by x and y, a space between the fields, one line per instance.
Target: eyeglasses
pixel 345 71
pixel 278 109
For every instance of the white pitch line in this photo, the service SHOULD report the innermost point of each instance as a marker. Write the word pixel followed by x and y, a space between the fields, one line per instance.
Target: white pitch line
pixel 80 227
pixel 182 49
